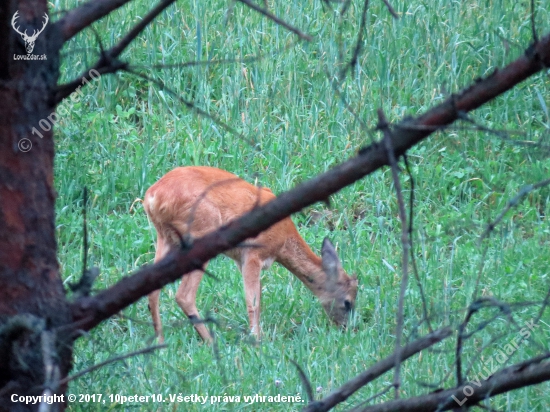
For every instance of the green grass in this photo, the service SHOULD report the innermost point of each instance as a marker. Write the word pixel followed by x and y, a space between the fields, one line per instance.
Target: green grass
pixel 126 133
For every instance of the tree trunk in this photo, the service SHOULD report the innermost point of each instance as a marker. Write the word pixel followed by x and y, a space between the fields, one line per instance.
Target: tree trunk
pixel 34 351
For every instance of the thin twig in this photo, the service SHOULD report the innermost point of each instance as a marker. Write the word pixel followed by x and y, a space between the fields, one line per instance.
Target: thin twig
pixel 276 19
pixel 391 9
pixel 305 380
pixel 533 22
pixel 251 59
pixel 487 408
pixel 488 303
pixel 110 360
pixel 376 370
pixel 413 257
pixel 109 62
pixel 344 8
pixel 373 397
pixel 458 358
pixel 84 231
pixel 190 105
pixel 523 192
pixel 138 28
pixel 86 14
pixel 358 44
pixel 384 126
pixel 513 377
pixel 545 304
pixel 336 88
pixel 493 340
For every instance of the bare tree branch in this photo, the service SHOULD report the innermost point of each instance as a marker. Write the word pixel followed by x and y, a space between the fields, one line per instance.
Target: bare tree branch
pixel 138 28
pixel 473 308
pixel 191 106
pixel 276 19
pixel 111 360
pixel 336 88
pixel 533 23
pixel 82 16
pixel 411 249
pixel 90 311
pixel 252 59
pixel 524 191
pixel 391 9
pixel 108 62
pixel 378 369
pixel 305 381
pixel 383 125
pixel 513 377
pixel 358 44
pixel 373 397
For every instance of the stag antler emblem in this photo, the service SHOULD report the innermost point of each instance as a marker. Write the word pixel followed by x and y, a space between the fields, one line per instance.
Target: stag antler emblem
pixel 29 40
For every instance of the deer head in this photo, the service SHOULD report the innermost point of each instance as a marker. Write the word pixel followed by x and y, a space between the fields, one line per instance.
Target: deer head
pixel 29 40
pixel 338 299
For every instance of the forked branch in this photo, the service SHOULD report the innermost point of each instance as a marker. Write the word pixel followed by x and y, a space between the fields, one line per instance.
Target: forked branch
pixel 378 369
pixel 513 377
pixel 81 17
pixel 108 62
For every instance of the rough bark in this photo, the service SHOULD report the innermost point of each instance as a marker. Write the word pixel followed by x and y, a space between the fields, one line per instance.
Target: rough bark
pixel 32 298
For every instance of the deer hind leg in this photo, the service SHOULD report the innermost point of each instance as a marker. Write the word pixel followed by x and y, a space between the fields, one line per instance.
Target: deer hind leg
pixel 162 250
pixel 186 297
pixel 252 292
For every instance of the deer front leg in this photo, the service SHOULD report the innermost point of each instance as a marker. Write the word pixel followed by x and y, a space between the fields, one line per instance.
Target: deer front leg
pixel 186 297
pixel 155 314
pixel 252 291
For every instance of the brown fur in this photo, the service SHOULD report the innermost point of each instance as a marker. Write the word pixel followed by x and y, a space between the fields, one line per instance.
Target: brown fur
pixel 196 200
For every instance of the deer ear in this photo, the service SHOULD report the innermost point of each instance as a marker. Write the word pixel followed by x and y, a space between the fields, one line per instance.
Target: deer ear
pixel 331 263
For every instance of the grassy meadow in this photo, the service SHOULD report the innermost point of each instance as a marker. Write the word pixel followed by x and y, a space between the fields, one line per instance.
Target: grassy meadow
pixel 125 133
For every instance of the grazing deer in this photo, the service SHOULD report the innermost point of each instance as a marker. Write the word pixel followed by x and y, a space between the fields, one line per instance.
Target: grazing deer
pixel 196 200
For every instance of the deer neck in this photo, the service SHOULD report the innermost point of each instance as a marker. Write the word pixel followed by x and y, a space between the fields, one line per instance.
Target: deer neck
pixel 299 259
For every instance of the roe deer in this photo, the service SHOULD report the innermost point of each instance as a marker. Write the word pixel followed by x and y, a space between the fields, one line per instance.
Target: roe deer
pixel 196 200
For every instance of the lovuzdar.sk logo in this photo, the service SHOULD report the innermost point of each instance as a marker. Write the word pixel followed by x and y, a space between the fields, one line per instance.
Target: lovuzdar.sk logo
pixel 28 39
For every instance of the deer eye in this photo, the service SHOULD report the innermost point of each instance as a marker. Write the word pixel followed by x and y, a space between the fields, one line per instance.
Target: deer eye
pixel 348 305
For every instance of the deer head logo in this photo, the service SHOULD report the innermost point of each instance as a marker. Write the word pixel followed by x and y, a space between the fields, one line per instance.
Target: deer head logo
pixel 29 40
